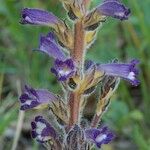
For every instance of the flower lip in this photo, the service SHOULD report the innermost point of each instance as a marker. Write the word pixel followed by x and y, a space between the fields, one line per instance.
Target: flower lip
pixel 63 69
pixel 37 17
pixel 32 98
pixel 127 71
pixel 114 9
pixel 42 131
pixel 99 136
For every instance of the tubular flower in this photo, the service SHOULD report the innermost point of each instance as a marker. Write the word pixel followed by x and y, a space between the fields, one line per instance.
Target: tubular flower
pixel 42 131
pixel 126 71
pixel 114 9
pixel 32 98
pixel 109 8
pixel 38 17
pixel 64 67
pixel 99 136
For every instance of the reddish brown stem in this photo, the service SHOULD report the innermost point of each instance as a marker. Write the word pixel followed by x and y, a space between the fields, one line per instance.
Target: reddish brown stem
pixel 79 37
pixel 74 108
pixel 78 57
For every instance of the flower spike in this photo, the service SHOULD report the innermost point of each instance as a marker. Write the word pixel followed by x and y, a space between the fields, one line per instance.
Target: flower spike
pixel 32 98
pixel 126 71
pixel 38 17
pixel 42 131
pixel 79 78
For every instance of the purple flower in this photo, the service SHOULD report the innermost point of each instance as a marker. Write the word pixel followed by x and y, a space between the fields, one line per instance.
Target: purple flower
pixel 99 136
pixel 34 97
pixel 124 70
pixel 42 131
pixel 49 46
pixel 114 9
pixel 37 17
pixel 63 69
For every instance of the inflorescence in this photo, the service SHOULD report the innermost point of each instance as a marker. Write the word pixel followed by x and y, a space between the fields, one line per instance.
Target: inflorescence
pixel 79 77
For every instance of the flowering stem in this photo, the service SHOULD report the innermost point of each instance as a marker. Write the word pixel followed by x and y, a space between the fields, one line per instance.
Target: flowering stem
pixel 78 56
pixel 74 108
pixel 79 37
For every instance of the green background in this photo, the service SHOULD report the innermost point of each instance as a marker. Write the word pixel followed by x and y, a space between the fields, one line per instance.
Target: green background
pixel 128 115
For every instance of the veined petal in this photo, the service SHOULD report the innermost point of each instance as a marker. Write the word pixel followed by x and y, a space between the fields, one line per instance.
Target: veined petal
pixel 123 70
pixel 38 17
pixel 32 98
pixel 49 46
pixel 63 69
pixel 99 136
pixel 42 131
pixel 114 9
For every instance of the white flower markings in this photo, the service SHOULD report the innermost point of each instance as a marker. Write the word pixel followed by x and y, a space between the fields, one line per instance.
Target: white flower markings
pixel 42 131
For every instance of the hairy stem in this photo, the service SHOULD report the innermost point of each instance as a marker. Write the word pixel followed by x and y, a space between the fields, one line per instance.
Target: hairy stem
pixel 95 121
pixel 74 108
pixel 78 56
pixel 79 39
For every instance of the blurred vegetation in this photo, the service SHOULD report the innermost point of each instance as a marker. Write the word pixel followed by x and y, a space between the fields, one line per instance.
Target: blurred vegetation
pixel 129 112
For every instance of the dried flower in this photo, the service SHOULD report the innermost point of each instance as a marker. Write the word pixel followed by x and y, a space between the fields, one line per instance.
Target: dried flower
pixel 75 139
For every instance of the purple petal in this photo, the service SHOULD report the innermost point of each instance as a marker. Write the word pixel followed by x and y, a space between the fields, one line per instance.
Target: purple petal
pixel 34 134
pixel 127 71
pixel 29 106
pixel 37 118
pixel 51 36
pixel 33 125
pixel 34 97
pixel 41 130
pixel 99 136
pixel 63 69
pixel 37 17
pixel 23 97
pixel 45 96
pixel 49 46
pixel 114 9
